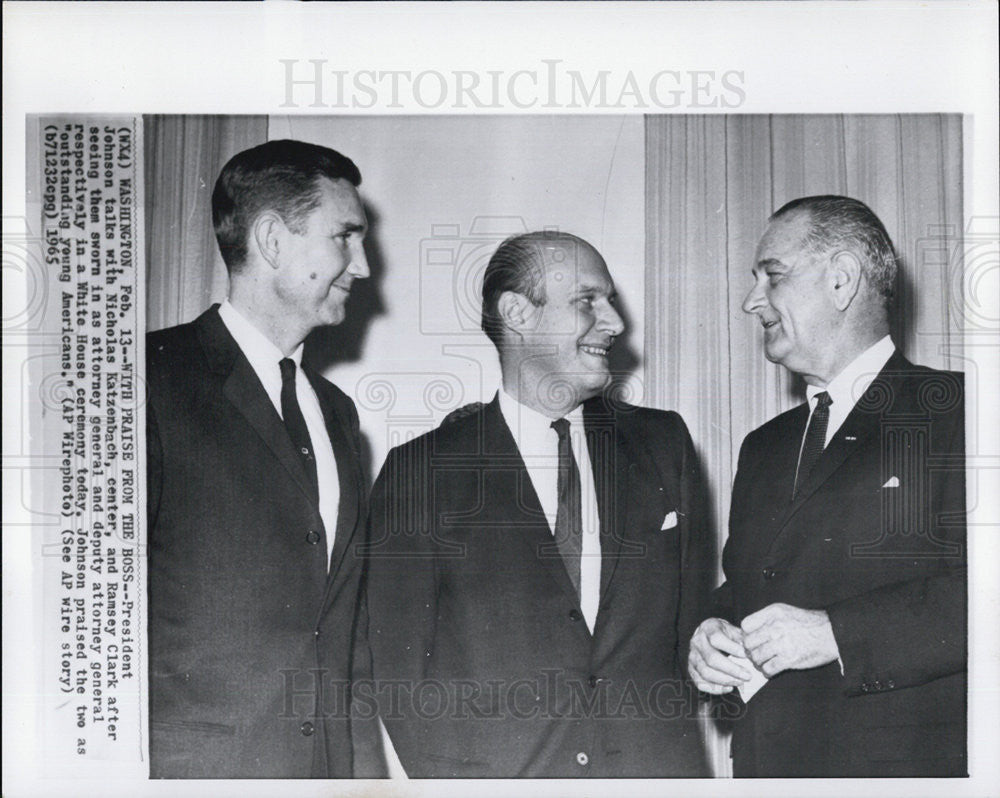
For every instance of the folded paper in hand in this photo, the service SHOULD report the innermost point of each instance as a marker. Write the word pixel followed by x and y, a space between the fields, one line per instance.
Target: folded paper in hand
pixel 669 521
pixel 749 688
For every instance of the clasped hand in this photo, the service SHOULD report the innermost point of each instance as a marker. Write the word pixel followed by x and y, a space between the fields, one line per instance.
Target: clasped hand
pixel 777 638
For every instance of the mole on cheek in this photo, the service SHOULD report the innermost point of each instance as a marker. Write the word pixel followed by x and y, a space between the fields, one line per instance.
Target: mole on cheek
pixel 312 276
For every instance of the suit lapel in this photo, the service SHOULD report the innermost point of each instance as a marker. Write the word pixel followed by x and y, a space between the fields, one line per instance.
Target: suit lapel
pixel 639 489
pixel 243 389
pixel 857 428
pixel 501 449
pixel 774 478
pixel 348 476
pixel 861 425
pixel 613 474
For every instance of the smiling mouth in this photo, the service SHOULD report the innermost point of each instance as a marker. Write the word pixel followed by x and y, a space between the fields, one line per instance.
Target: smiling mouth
pixel 768 324
pixel 599 351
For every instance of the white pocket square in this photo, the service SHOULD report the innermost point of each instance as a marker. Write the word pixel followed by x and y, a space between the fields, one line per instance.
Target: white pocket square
pixel 669 521
pixel 893 482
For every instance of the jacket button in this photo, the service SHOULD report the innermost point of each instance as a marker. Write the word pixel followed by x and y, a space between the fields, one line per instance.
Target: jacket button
pixel 891 684
pixel 768 573
pixel 594 681
pixel 574 615
pixel 312 537
pixel 877 685
pixel 865 688
pixel 582 758
pixel 307 729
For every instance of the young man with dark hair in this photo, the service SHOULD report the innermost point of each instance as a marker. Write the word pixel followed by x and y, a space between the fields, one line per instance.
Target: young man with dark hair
pixel 255 489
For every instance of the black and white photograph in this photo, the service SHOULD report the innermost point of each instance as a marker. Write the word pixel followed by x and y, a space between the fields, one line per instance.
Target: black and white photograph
pixel 411 427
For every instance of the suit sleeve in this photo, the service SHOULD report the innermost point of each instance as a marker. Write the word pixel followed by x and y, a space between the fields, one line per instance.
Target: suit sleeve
pixel 723 604
pixel 355 437
pixel 368 756
pixel 914 631
pixel 698 557
pixel 400 590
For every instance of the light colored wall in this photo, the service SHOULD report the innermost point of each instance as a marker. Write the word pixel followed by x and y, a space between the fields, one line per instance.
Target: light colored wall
pixel 443 192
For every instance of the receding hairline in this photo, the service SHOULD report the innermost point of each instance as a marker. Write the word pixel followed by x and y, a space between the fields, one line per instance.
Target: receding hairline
pixel 521 264
pixel 548 245
pixel 552 240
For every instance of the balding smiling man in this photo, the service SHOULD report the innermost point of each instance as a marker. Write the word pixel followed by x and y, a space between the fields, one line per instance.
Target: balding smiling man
pixel 535 562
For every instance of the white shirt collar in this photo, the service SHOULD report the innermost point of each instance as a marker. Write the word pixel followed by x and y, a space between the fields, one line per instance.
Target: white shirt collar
pixel 850 385
pixel 259 349
pixel 528 426
pixel 263 355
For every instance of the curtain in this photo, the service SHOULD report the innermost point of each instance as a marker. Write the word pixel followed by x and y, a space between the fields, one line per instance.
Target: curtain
pixel 711 183
pixel 183 157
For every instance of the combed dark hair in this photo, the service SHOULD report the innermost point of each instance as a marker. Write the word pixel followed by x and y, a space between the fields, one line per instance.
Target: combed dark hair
pixel 846 223
pixel 282 176
pixel 518 265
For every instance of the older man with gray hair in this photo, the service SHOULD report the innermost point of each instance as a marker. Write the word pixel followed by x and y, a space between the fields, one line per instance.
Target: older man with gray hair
pixel 845 591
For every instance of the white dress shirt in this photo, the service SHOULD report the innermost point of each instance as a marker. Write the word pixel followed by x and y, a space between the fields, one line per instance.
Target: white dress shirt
pixel 264 358
pixel 538 444
pixel 845 389
pixel 850 385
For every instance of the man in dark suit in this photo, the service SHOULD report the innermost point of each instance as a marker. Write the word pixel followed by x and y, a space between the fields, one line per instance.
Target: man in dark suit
pixel 533 563
pixel 845 565
pixel 255 487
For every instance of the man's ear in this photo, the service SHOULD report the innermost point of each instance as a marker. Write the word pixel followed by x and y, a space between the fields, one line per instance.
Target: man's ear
pixel 844 277
pixel 266 234
pixel 515 311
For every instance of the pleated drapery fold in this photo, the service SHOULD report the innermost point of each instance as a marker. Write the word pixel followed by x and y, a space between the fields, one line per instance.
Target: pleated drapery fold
pixel 184 155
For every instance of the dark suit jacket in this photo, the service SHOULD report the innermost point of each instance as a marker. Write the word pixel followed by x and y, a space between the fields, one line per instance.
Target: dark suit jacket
pixel 246 631
pixel 876 537
pixel 484 664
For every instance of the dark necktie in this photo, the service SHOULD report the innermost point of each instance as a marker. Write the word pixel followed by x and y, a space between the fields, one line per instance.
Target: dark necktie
pixel 815 440
pixel 569 527
pixel 295 423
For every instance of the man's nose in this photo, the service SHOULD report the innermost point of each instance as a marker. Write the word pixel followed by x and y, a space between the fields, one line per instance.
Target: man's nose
pixel 359 263
pixel 611 321
pixel 754 299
